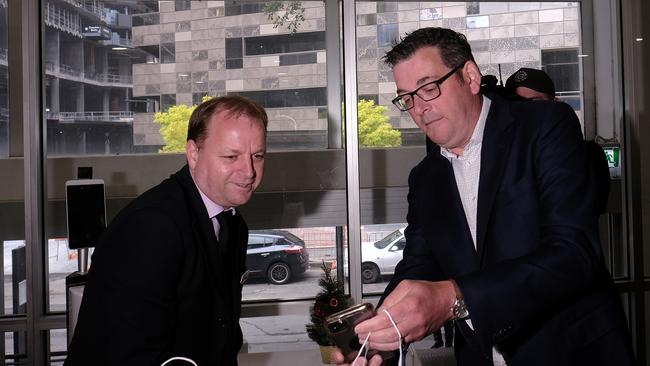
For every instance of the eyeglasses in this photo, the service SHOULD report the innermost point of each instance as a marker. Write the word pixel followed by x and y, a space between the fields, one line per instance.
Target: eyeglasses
pixel 426 92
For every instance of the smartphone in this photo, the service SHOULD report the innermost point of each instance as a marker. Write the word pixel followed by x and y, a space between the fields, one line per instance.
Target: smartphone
pixel 340 329
pixel 85 205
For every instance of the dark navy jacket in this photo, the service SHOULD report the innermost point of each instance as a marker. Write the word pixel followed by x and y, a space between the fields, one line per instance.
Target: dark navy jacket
pixel 536 286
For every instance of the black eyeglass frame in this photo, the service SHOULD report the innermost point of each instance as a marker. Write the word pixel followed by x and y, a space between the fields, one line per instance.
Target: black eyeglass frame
pixel 413 93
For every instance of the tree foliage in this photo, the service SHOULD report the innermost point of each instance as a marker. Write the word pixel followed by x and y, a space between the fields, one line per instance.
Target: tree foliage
pixel 375 129
pixel 173 126
pixel 291 13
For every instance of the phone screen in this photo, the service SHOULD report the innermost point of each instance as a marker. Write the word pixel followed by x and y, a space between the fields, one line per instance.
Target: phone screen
pixel 86 212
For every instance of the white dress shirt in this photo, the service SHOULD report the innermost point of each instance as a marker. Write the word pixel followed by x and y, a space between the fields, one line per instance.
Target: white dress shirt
pixel 467 171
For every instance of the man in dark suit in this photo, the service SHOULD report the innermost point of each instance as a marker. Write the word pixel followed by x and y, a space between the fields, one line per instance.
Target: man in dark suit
pixel 165 281
pixel 502 230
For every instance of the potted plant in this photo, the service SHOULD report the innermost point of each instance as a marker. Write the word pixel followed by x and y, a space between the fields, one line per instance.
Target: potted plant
pixel 329 300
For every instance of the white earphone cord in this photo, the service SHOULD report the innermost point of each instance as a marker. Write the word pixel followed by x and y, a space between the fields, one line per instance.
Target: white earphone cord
pixel 365 343
pixel 179 359
pixel 399 335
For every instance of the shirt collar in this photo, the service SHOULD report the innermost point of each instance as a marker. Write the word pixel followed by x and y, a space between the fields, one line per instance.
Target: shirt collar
pixel 477 135
pixel 213 208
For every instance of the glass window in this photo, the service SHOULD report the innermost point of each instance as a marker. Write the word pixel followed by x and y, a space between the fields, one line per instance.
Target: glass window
pixel 145 19
pixel 15 347
pixel 12 219
pixel 234 53
pixel 386 6
pixel 307 97
pixel 387 34
pixel 197 98
pixel 167 53
pixel 166 101
pixel 389 239
pixel 180 5
pixel 563 68
pixel 478 22
pixel 295 42
pixel 473 7
pixel 298 59
pixel 238 7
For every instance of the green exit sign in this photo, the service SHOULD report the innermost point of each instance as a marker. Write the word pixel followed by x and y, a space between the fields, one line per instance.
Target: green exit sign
pixel 613 156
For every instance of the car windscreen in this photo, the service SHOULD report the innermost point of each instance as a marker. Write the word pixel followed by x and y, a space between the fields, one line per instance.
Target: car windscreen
pixel 383 243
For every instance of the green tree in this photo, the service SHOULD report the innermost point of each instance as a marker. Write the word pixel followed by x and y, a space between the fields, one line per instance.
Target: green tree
pixel 291 13
pixel 173 126
pixel 374 128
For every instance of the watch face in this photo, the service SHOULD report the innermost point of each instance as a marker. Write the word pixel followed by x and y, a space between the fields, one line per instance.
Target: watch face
pixel 460 310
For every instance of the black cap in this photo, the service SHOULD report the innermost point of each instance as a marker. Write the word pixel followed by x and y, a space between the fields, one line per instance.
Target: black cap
pixel 534 79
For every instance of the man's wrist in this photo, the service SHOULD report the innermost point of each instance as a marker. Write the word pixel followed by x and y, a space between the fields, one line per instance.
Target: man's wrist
pixel 458 309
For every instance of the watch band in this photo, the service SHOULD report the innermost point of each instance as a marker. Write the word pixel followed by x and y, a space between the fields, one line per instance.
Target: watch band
pixel 458 309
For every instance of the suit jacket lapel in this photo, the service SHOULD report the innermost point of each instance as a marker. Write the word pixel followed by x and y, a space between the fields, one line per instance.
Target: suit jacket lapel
pixel 204 231
pixel 447 218
pixel 497 139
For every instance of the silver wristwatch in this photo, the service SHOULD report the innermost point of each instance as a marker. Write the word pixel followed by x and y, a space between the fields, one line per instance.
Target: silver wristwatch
pixel 459 310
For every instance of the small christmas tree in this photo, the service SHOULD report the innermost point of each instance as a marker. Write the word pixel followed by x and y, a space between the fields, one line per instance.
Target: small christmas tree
pixel 330 299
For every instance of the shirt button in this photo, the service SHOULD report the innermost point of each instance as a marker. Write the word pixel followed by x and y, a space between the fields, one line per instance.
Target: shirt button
pixel 473 198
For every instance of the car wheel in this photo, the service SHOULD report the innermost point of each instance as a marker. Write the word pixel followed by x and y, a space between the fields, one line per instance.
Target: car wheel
pixel 369 273
pixel 279 273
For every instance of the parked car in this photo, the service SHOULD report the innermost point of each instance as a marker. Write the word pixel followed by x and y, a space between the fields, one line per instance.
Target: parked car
pixel 276 254
pixel 381 257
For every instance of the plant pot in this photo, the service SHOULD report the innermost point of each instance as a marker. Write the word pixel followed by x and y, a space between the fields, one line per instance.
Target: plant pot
pixel 326 353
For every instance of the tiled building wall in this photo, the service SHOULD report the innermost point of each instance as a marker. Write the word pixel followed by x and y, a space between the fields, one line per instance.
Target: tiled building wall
pixel 509 34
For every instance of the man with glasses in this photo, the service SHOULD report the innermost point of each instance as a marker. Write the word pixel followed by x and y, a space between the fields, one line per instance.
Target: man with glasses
pixel 502 232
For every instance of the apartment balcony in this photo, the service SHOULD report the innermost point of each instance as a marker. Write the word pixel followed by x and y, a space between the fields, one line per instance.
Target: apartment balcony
pixel 100 79
pixel 121 117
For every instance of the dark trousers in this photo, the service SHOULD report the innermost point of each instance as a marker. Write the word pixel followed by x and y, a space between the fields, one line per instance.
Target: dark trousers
pixel 449 335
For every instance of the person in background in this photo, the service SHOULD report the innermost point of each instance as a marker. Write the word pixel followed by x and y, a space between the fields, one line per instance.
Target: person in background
pixel 166 275
pixel 449 336
pixel 533 84
pixel 502 228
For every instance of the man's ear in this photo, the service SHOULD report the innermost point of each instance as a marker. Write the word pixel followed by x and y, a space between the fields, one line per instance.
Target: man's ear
pixel 472 75
pixel 192 153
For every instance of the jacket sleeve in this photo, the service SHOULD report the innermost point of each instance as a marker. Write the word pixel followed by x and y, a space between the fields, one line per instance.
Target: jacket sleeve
pixel 418 261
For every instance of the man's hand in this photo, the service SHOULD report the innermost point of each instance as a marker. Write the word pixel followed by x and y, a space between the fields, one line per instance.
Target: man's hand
pixel 337 358
pixel 417 307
